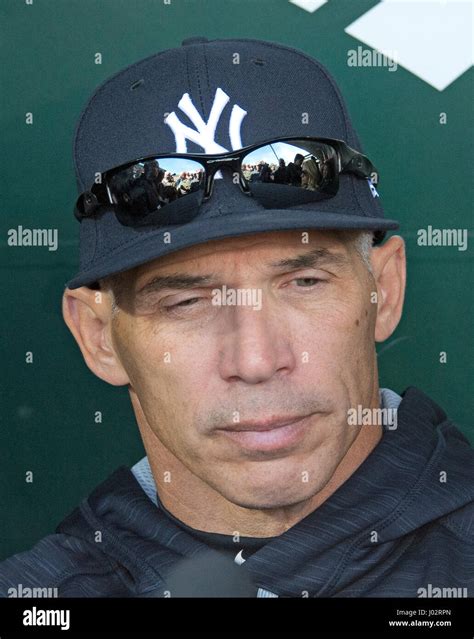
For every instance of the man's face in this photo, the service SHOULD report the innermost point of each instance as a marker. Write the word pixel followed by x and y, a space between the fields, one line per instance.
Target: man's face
pixel 202 371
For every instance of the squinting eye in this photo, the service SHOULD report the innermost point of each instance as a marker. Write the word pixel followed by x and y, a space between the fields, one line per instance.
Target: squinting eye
pixel 182 306
pixel 184 303
pixel 187 302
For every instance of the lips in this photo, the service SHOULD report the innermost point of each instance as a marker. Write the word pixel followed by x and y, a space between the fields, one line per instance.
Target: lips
pixel 268 435
pixel 266 424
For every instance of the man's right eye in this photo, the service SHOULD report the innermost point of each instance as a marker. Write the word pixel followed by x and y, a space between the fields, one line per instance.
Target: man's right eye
pixel 184 304
pixel 187 302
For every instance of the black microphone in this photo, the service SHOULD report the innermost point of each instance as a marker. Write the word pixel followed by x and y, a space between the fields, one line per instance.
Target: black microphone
pixel 209 574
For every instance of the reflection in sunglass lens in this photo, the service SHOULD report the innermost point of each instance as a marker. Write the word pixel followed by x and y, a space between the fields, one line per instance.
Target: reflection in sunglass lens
pixel 301 163
pixel 149 186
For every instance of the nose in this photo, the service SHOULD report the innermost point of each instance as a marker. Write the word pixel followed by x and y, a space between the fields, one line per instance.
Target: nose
pixel 255 347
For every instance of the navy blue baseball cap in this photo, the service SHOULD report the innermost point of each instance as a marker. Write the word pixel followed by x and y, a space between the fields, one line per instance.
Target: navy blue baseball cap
pixel 211 96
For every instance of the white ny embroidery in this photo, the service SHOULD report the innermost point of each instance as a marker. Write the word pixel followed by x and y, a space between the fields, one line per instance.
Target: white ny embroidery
pixel 205 132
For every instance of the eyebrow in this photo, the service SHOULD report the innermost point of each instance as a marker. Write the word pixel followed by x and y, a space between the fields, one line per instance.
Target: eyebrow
pixel 183 281
pixel 312 259
pixel 180 281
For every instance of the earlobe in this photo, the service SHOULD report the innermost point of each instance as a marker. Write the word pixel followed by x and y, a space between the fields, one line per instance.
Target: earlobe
pixel 389 265
pixel 87 314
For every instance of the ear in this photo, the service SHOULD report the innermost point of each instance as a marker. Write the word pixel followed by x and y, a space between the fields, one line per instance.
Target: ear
pixel 389 268
pixel 88 315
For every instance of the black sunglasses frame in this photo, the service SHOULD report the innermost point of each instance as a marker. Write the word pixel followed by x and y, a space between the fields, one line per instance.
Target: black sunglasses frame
pixel 349 161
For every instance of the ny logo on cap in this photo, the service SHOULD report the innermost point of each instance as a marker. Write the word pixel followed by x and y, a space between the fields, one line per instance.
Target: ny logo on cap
pixel 205 132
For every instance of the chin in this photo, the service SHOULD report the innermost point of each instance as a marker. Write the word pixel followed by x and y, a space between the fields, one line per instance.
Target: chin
pixel 271 494
pixel 269 502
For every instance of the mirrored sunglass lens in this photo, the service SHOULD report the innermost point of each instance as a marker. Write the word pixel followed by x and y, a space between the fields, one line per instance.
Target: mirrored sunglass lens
pixel 301 163
pixel 149 186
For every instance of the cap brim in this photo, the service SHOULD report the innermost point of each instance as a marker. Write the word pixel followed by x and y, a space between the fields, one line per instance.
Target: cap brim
pixel 199 231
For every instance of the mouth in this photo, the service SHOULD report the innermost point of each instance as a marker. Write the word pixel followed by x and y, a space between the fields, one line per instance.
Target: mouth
pixel 268 435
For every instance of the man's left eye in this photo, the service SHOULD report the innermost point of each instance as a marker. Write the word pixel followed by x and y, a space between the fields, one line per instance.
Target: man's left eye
pixel 307 281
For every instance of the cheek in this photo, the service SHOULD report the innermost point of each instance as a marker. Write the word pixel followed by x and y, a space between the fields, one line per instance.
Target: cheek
pixel 166 373
pixel 335 347
pixel 336 329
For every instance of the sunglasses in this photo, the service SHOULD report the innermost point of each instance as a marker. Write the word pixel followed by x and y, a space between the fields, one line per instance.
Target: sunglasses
pixel 169 188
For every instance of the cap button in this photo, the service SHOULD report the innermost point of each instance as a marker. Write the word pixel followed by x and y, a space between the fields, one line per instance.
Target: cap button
pixel 194 40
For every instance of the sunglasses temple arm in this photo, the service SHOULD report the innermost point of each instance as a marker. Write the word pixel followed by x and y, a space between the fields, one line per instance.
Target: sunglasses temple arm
pixel 354 162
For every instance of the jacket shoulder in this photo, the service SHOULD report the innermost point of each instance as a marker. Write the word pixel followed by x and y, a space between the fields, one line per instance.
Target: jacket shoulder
pixel 68 565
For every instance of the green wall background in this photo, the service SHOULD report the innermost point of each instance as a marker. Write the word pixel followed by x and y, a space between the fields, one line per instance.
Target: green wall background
pixel 48 407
